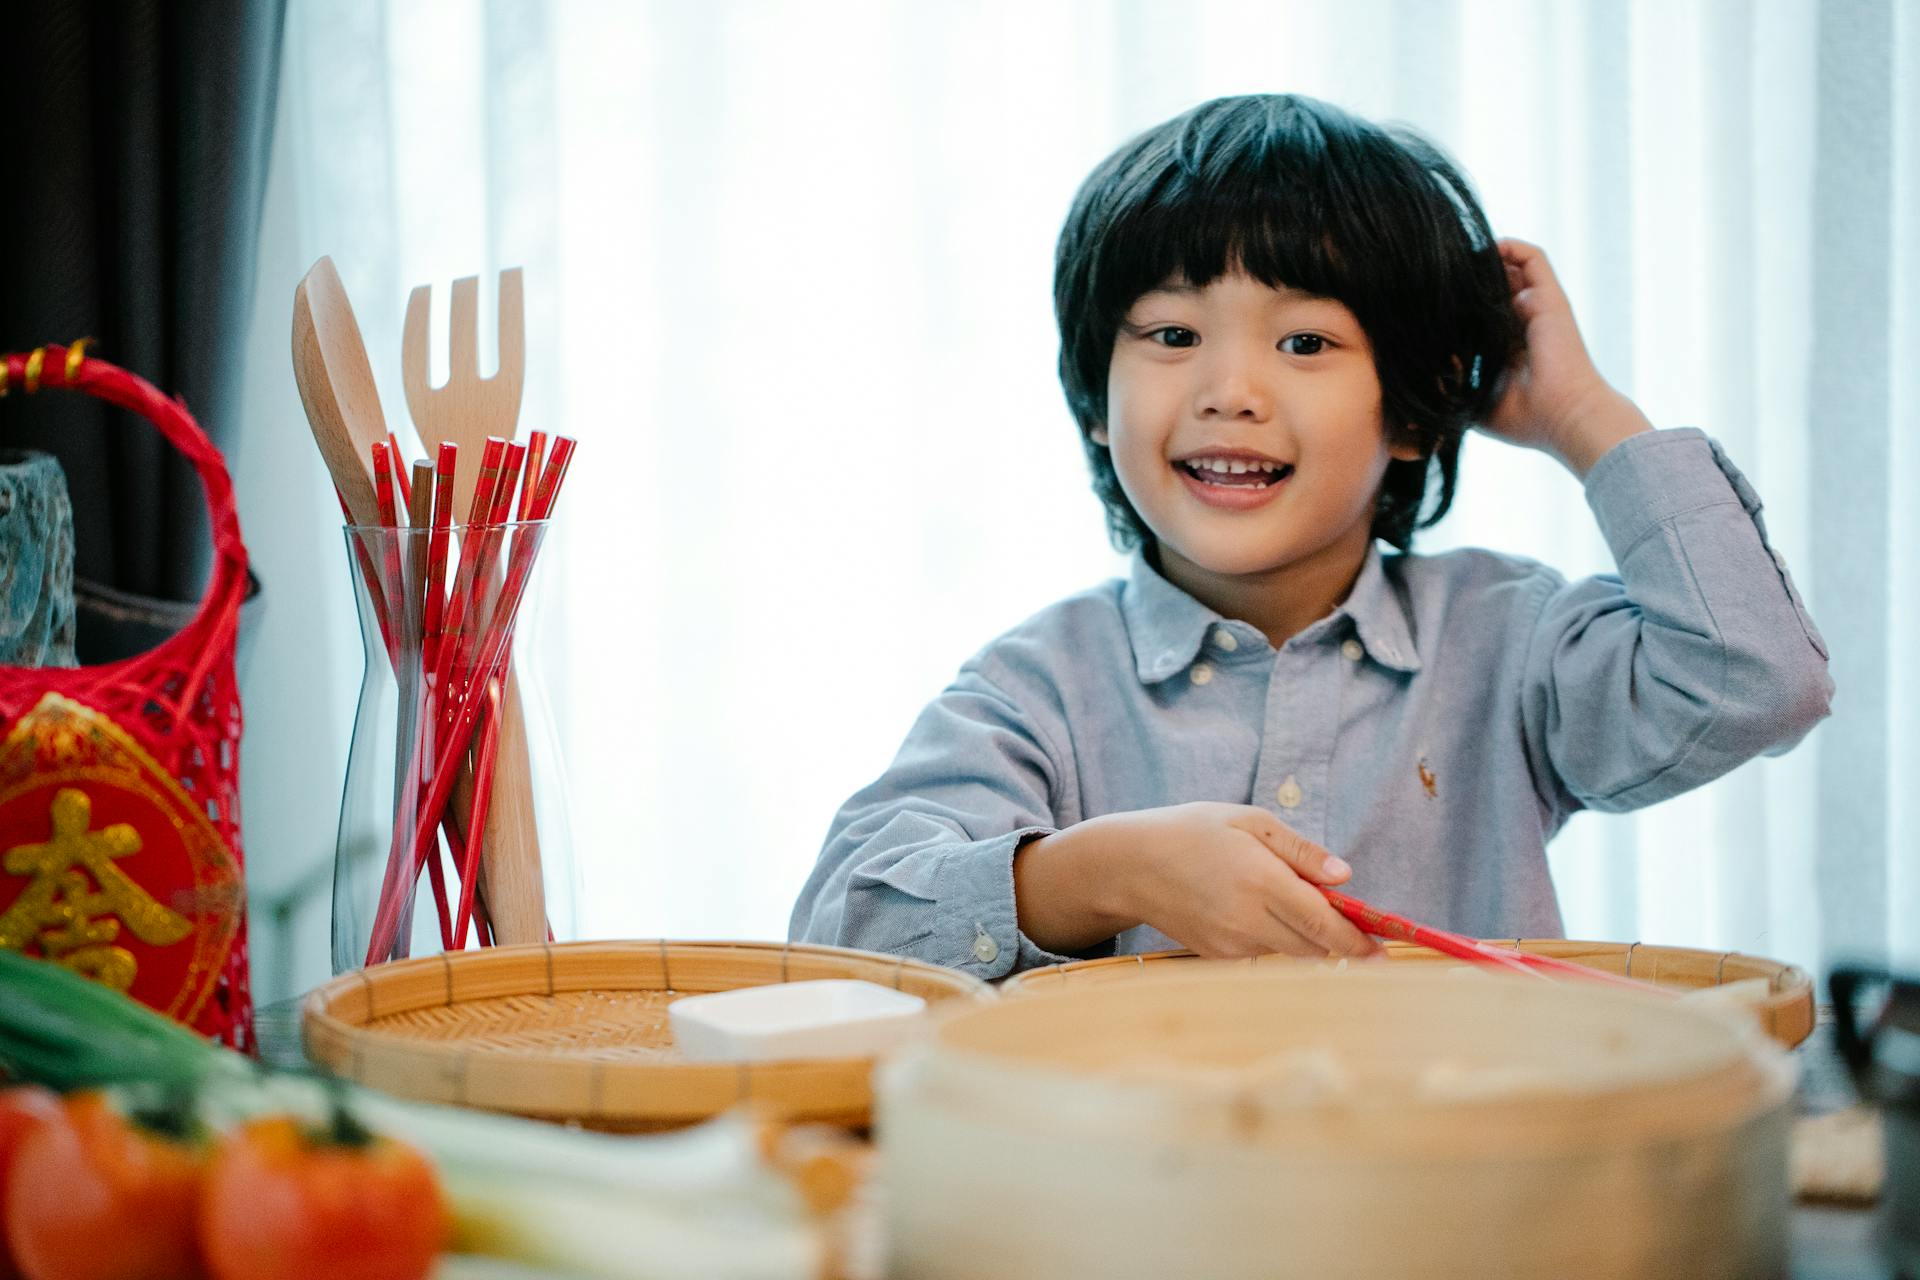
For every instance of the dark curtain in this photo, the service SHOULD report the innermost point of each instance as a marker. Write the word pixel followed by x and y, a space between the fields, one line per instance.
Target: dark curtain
pixel 129 210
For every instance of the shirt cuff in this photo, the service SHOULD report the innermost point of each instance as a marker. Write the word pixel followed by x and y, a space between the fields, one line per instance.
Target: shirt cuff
pixel 1654 477
pixel 979 931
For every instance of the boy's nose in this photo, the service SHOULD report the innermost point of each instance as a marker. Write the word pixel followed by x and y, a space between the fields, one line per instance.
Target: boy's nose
pixel 1233 388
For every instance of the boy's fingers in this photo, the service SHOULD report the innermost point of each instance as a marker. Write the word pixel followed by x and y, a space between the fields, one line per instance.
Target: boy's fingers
pixel 1308 860
pixel 1530 261
pixel 1325 930
pixel 1516 250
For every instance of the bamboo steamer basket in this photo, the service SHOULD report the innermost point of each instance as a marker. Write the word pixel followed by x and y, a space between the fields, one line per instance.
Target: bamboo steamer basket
pixel 579 1031
pixel 1786 1014
pixel 1124 1130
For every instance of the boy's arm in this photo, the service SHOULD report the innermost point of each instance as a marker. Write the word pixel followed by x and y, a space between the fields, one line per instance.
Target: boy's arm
pixel 924 862
pixel 1697 658
pixel 920 862
pixel 1700 655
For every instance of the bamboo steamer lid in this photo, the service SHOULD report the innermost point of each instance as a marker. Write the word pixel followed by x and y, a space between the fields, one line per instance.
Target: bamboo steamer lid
pixel 1784 1012
pixel 1421 1123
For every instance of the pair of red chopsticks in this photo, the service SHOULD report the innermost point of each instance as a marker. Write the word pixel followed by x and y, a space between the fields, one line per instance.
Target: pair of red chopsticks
pixel 1385 924
pixel 459 631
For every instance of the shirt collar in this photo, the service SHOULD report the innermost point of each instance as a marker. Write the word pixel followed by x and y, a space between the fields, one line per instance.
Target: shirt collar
pixel 1166 626
pixel 1379 616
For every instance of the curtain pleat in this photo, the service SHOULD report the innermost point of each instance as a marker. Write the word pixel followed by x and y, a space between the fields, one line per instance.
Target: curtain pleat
pixel 1849 420
pixel 130 215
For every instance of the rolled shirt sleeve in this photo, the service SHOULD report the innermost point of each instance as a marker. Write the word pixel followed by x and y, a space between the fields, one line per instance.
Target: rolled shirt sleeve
pixel 920 863
pixel 1698 656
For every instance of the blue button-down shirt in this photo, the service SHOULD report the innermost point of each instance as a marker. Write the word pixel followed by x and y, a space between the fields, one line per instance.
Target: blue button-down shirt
pixel 1435 730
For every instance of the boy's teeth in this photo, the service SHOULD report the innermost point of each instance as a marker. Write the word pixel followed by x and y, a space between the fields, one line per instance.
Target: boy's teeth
pixel 1258 472
pixel 1231 466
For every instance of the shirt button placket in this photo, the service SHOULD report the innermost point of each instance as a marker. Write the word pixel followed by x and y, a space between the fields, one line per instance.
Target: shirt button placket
pixel 1301 724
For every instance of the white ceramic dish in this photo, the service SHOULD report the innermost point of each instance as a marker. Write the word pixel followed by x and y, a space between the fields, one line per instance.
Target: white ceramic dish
pixel 828 1018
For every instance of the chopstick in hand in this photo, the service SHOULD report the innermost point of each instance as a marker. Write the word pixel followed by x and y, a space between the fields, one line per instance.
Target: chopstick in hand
pixel 1385 924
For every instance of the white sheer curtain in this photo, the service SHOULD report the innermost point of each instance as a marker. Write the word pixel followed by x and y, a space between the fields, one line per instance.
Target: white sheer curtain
pixel 788 281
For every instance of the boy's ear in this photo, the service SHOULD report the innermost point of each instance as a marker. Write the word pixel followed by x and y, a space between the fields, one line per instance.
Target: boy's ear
pixel 1098 435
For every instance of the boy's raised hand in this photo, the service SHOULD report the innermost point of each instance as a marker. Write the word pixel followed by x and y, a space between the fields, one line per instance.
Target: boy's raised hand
pixel 1552 397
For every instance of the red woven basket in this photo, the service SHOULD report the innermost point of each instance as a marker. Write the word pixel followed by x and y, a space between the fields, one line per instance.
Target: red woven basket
pixel 119 784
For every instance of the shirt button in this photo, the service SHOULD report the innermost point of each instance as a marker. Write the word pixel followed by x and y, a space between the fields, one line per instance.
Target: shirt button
pixel 1201 673
pixel 1224 639
pixel 1352 651
pixel 985 949
pixel 1289 794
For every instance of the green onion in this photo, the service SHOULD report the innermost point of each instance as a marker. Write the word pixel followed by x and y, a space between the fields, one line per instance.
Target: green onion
pixel 698 1202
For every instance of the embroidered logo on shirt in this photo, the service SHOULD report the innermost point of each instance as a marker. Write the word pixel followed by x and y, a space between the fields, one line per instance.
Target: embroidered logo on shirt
pixel 1427 779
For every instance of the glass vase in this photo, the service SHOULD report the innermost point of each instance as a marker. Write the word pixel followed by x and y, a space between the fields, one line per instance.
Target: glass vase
pixel 453 823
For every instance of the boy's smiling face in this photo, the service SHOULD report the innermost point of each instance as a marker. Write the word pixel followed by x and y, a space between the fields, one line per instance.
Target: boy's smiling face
pixel 1245 427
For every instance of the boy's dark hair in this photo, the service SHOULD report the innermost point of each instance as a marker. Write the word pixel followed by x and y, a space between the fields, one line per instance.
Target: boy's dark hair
pixel 1295 191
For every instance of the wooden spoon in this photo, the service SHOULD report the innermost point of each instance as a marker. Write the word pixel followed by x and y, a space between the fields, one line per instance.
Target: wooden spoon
pixel 336 387
pixel 466 411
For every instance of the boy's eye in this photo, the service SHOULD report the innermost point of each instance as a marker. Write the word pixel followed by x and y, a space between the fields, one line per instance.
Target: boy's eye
pixel 1174 336
pixel 1310 344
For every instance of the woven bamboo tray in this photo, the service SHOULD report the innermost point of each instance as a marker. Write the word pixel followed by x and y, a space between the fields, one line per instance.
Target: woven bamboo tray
pixel 579 1031
pixel 1786 1014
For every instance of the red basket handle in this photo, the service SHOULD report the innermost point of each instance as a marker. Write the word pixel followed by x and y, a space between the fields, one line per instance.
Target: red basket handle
pixel 71 368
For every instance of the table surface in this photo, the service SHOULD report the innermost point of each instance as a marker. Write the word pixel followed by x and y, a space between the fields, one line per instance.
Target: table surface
pixel 1828 1242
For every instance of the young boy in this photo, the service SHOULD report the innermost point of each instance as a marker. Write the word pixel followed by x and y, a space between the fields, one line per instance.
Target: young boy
pixel 1276 322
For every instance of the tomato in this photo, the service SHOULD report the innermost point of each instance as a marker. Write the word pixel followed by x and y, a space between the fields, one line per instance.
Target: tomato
pixel 95 1196
pixel 23 1109
pixel 282 1200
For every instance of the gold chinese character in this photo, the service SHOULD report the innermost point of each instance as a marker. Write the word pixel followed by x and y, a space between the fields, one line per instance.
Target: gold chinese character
pixel 72 916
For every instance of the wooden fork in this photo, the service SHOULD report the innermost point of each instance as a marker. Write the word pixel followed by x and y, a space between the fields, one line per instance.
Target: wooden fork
pixel 468 408
pixel 466 411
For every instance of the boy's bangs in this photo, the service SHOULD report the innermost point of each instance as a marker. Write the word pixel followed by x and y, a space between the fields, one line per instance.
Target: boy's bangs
pixel 1276 234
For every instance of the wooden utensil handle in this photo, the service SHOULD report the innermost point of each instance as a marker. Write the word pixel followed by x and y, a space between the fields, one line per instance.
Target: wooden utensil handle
pixel 510 864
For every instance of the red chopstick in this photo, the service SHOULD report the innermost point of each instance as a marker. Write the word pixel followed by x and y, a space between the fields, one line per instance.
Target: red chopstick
pixel 1385 924
pixel 385 467
pixel 419 496
pixel 471 537
pixel 393 587
pixel 485 593
pixel 477 807
pixel 400 470
pixel 523 467
pixel 536 454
